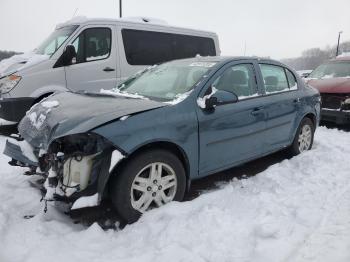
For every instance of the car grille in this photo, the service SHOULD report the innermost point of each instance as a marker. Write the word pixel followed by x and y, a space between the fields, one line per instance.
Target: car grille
pixel 332 101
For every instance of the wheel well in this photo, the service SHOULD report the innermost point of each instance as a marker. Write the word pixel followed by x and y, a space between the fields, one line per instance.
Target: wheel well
pixel 41 98
pixel 173 148
pixel 312 117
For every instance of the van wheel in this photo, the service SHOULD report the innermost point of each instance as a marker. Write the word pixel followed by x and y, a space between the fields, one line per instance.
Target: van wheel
pixel 149 180
pixel 304 137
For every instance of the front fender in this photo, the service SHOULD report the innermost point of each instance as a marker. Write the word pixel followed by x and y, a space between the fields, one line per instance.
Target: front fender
pixel 174 124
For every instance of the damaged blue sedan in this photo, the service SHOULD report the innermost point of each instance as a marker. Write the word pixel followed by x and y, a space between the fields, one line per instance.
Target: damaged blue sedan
pixel 141 144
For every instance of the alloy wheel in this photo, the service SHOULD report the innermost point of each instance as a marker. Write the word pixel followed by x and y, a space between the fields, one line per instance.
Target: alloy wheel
pixel 305 138
pixel 154 186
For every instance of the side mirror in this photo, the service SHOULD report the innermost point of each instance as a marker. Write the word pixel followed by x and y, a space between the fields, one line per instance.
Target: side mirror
pixel 211 102
pixel 220 97
pixel 68 55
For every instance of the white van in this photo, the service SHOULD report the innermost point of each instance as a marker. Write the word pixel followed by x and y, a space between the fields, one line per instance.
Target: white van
pixel 93 54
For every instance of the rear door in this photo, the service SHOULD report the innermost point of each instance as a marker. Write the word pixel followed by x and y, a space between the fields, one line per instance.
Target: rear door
pixel 232 133
pixel 95 66
pixel 281 102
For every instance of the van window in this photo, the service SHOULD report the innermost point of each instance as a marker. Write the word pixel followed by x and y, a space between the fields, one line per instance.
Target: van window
pixel 238 79
pixel 275 79
pixel 149 48
pixel 93 44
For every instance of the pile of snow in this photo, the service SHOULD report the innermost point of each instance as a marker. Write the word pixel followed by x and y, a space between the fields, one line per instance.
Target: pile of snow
pixel 38 117
pixel 50 104
pixel 20 62
pixel 37 120
pixel 179 98
pixel 201 100
pixel 115 158
pixel 88 201
pixel 296 210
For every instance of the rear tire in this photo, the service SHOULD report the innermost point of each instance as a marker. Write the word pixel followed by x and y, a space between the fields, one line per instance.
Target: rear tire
pixel 148 180
pixel 304 137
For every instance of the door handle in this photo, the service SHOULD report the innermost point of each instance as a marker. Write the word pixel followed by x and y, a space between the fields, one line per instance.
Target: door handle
pixel 296 101
pixel 257 111
pixel 108 69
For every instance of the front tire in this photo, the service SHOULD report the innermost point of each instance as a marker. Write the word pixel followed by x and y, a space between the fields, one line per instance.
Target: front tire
pixel 304 137
pixel 148 180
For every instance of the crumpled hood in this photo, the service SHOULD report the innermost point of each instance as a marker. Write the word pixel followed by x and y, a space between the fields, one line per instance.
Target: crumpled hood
pixel 69 113
pixel 331 85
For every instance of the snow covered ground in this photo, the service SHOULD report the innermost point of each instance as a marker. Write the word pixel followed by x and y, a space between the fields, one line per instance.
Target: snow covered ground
pixel 296 210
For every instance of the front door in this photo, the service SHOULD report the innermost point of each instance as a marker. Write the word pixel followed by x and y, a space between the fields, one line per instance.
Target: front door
pixel 231 133
pixel 95 66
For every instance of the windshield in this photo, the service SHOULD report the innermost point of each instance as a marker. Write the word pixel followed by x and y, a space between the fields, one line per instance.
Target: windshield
pixel 55 40
pixel 167 81
pixel 332 70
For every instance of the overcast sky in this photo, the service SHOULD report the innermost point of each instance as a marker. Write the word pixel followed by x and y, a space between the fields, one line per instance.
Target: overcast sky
pixel 275 28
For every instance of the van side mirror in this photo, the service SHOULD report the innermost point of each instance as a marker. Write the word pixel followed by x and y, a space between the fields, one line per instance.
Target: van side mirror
pixel 220 97
pixel 68 54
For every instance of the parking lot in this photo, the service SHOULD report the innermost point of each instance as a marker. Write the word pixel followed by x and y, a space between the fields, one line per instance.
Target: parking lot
pixel 294 207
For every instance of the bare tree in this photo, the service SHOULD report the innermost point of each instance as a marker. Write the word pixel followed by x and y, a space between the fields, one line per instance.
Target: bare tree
pixel 313 57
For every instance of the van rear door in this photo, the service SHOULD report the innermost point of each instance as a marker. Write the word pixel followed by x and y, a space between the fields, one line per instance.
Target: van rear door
pixel 96 62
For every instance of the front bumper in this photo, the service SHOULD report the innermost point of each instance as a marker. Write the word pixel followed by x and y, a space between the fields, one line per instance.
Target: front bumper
pixel 23 154
pixel 14 109
pixel 18 151
pixel 335 116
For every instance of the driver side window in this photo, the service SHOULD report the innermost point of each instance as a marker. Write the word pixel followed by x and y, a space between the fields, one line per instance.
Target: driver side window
pixel 238 79
pixel 93 44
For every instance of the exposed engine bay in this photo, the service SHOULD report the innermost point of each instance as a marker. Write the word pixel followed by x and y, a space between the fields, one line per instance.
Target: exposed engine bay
pixel 72 167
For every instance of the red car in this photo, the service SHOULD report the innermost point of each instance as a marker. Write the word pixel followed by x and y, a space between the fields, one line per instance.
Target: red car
pixel 332 79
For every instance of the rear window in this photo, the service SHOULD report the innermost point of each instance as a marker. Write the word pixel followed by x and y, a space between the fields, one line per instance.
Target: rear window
pixel 149 48
pixel 277 79
pixel 291 80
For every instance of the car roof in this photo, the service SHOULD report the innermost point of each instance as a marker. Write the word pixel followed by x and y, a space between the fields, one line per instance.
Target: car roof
pixel 225 59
